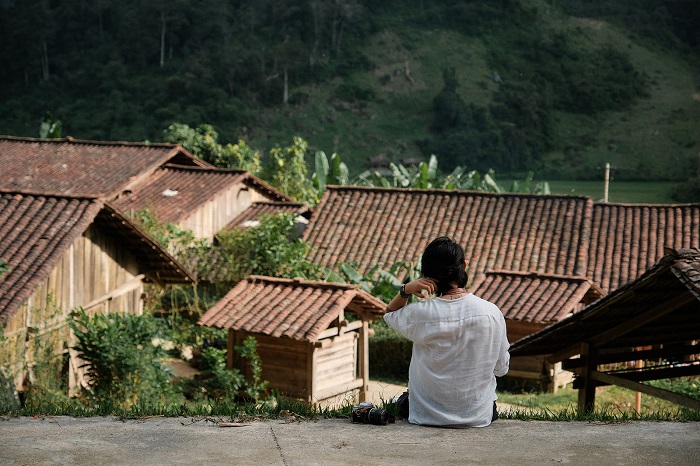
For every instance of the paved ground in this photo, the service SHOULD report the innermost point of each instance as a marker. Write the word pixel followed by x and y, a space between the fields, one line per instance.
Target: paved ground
pixel 173 441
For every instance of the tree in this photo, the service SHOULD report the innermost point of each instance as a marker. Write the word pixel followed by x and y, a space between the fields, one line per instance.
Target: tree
pixel 285 168
pixel 49 127
pixel 203 142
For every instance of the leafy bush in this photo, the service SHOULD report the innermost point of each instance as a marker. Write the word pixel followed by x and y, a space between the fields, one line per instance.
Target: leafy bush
pixel 688 191
pixel 123 365
pixel 255 387
pixel 352 92
pixel 203 142
pixel 224 383
pixel 389 352
pixel 272 248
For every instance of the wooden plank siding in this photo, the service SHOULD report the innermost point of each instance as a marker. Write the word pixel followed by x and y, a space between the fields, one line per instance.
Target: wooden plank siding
pixel 302 369
pixel 94 269
pixel 336 365
pixel 284 362
pixel 213 216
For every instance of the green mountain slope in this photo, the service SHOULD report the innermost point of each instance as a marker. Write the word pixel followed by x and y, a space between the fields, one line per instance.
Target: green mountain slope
pixel 658 137
pixel 560 87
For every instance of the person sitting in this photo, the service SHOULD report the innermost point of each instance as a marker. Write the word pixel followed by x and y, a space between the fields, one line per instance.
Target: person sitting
pixel 459 343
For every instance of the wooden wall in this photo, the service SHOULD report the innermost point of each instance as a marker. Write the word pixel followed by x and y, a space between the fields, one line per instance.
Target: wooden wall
pixel 95 273
pixel 300 369
pixel 212 216
pixel 534 367
pixel 335 367
pixel 284 362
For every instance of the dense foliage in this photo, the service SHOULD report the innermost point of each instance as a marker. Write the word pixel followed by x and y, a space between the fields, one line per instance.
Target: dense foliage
pixel 124 70
pixel 123 358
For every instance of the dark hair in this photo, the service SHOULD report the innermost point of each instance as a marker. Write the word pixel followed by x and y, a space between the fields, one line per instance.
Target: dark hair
pixel 443 261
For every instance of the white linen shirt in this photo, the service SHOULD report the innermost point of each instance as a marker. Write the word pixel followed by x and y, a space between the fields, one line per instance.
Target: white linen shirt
pixel 459 347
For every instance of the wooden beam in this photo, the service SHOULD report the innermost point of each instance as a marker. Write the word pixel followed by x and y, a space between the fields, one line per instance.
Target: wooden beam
pixel 566 353
pixel 125 288
pixel 647 389
pixel 649 373
pixel 364 360
pixel 646 317
pixel 328 333
pixel 631 355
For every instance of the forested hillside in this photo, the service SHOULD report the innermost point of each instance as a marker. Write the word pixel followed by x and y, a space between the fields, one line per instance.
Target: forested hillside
pixel 556 86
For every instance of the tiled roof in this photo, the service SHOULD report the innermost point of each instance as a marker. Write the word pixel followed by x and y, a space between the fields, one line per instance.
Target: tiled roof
pixel 296 309
pixel 627 239
pixel 35 232
pixel 173 192
pixel 659 308
pixel 80 168
pixel 532 297
pixel 528 233
pixel 257 209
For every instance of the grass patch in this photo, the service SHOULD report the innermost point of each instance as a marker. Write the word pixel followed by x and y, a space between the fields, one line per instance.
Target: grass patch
pixel 613 404
pixel 636 192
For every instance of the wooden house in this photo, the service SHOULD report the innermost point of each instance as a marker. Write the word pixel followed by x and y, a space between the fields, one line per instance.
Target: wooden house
pixel 312 336
pixel 71 167
pixel 203 200
pixel 174 185
pixel 63 253
pixel 591 246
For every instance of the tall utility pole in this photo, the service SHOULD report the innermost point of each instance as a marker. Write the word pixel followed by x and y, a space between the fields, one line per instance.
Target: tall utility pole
pixel 607 182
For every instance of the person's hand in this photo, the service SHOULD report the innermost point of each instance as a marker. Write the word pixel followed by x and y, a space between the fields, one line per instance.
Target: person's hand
pixel 423 287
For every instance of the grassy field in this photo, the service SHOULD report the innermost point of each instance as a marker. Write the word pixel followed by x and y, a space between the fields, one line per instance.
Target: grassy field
pixel 635 192
pixel 612 400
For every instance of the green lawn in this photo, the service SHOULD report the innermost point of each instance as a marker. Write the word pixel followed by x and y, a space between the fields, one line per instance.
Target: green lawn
pixel 637 192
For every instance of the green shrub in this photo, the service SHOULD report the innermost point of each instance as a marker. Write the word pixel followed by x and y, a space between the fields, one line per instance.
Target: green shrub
pixel 389 352
pixel 224 383
pixel 688 191
pixel 352 92
pixel 255 387
pixel 123 365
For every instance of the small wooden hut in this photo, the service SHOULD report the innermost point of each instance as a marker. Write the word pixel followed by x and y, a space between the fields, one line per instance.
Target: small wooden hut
pixel 312 337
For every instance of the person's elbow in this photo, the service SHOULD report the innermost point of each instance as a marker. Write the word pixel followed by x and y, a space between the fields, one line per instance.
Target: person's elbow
pixel 502 366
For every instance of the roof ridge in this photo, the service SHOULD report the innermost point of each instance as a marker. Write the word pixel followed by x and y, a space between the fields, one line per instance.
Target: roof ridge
pixel 53 195
pixel 628 204
pixel 72 140
pixel 556 276
pixel 176 166
pixel 302 282
pixel 454 192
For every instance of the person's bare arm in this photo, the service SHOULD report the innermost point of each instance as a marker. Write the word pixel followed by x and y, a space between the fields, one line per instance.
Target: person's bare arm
pixel 423 287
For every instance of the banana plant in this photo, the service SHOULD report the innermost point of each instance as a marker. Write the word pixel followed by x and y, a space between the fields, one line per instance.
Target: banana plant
pixel 333 173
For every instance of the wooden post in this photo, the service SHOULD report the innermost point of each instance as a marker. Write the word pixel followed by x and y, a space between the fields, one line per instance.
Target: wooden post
pixel 638 396
pixel 364 360
pixel 606 186
pixel 311 373
pixel 230 348
pixel 586 393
